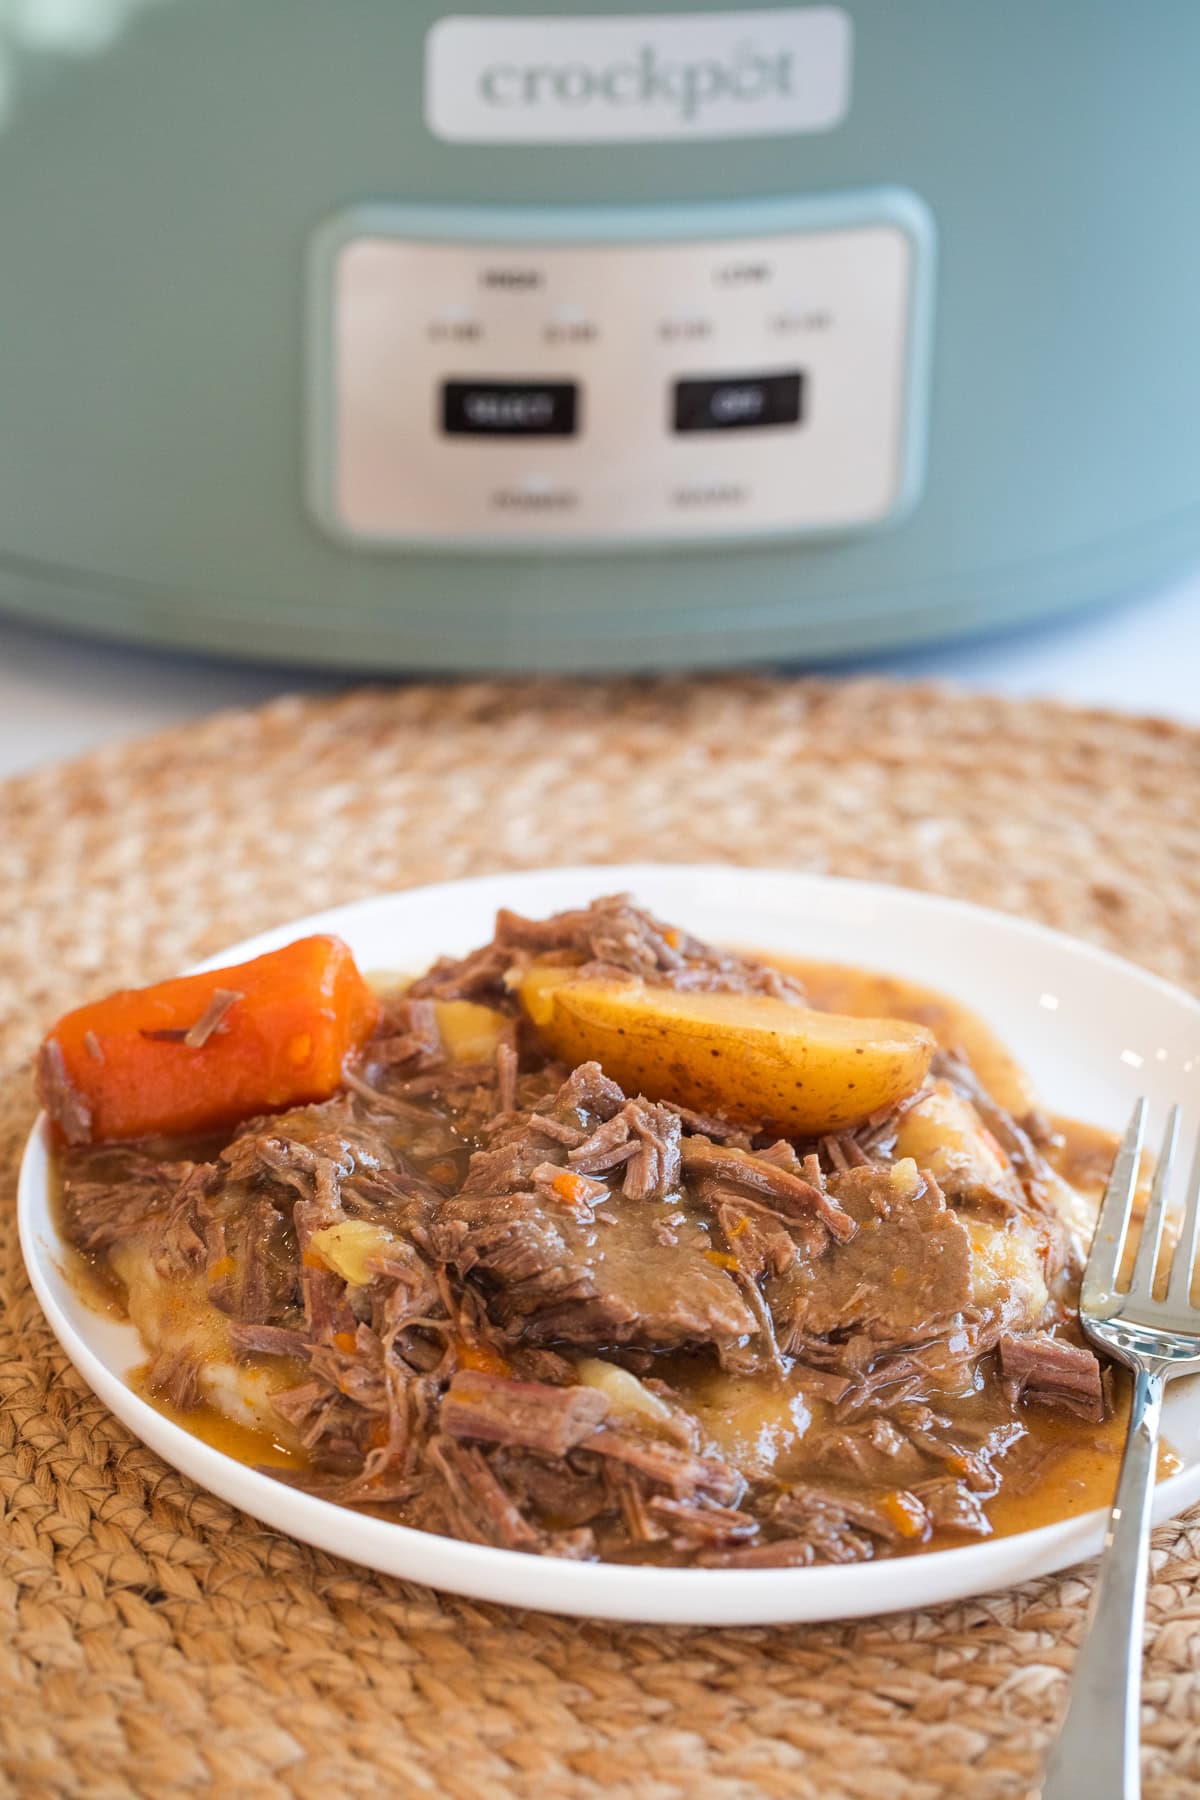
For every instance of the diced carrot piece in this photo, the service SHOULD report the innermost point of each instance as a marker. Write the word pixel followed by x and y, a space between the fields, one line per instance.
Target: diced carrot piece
pixel 206 1051
pixel 906 1513
pixel 481 1356
pixel 721 1259
pixel 993 1143
pixel 572 1188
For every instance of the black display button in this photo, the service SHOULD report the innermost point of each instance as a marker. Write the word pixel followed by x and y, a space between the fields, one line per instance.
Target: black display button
pixel 738 402
pixel 509 408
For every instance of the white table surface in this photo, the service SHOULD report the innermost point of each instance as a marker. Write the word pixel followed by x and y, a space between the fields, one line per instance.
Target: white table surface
pixel 60 696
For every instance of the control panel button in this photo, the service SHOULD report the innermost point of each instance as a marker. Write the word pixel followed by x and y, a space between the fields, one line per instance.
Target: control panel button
pixel 642 387
pixel 509 408
pixel 738 402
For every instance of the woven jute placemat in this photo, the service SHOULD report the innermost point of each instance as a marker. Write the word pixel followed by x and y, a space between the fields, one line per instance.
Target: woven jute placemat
pixel 154 1641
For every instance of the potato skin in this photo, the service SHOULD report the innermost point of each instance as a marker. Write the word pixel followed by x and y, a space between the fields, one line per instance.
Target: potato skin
pixel 748 1057
pixel 843 988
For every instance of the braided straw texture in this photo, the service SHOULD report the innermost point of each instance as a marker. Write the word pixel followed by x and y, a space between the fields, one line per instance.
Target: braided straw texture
pixel 153 1641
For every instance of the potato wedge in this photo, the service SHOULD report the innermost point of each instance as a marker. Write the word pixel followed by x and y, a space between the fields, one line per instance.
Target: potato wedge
pixel 836 987
pixel 747 1056
pixel 538 985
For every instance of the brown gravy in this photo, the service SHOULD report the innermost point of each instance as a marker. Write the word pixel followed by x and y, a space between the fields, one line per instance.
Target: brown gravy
pixel 1076 1463
pixel 258 1449
pixel 1079 1461
pixel 1062 1468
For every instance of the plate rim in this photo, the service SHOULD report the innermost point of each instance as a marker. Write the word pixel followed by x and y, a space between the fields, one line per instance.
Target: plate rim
pixel 582 1589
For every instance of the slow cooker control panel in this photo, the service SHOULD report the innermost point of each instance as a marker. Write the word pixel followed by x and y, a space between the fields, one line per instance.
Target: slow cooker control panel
pixel 506 390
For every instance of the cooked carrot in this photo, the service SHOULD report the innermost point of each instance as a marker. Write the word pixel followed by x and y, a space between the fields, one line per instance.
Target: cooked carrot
pixel 906 1513
pixel 575 1189
pixel 481 1356
pixel 206 1051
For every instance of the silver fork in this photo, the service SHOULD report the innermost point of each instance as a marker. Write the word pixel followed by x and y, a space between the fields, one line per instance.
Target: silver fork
pixel 1157 1338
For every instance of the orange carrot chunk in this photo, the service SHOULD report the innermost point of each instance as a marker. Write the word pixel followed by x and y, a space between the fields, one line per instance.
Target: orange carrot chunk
pixel 207 1051
pixel 481 1356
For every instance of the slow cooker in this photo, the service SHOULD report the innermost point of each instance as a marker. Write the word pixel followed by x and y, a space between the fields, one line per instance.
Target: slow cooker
pixel 374 333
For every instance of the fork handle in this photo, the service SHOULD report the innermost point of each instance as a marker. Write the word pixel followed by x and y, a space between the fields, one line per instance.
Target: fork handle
pixel 1097 1749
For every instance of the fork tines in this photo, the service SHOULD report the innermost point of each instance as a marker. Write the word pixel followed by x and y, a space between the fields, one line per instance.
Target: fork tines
pixel 1100 1296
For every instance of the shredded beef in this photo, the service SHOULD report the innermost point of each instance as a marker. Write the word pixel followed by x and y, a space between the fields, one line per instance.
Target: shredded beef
pixel 719 1131
pixel 507 1068
pixel 118 1196
pixel 775 1553
pixel 351 1490
pixel 566 1492
pixel 1053 1373
pixel 607 1148
pixel 268 1340
pixel 701 1525
pixel 970 1450
pixel 611 935
pixel 212 1019
pixel 296 1404
pixel 876 1451
pixel 479 1505
pixel 255 1280
pixel 903 1277
pixel 174 1372
pixel 587 1095
pixel 494 1410
pixel 642 1137
pixel 1033 1188
pixel 576 1268
pixel 426 1260
pixel 952 1506
pixel 788 1190
pixel 844 1152
pixel 896 1516
pixel 552 1273
pixel 760 1242
pixel 614 933
pixel 834 1522
pixel 479 976
pixel 680 1471
pixel 59 1095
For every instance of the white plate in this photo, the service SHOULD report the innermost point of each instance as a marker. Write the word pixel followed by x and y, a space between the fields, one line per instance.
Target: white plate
pixel 1094 1031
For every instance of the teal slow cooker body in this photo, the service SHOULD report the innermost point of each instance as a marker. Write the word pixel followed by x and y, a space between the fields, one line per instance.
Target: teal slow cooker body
pixel 177 179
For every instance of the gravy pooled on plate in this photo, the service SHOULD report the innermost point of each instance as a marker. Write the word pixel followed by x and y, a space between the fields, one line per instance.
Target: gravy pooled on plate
pixel 598 1242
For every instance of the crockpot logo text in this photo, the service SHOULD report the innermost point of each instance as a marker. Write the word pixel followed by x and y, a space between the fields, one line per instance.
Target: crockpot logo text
pixel 749 76
pixel 637 78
